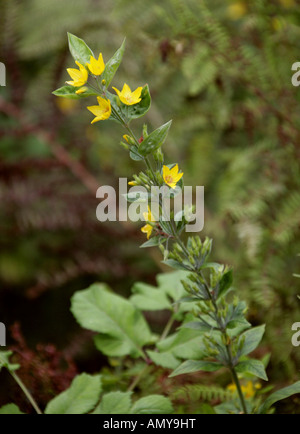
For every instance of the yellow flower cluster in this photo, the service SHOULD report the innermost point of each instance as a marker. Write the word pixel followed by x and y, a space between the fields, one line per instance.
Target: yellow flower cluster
pixel 96 67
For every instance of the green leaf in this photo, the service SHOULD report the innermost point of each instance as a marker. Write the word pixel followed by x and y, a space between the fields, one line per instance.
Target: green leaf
pixel 5 363
pixel 155 139
pixel 184 344
pixel 79 50
pixel 138 110
pixel 70 92
pixel 80 398
pixel 10 409
pixel 152 404
pixel 252 338
pixel 197 325
pixel 171 284
pixel 134 154
pixel 279 396
pixel 190 366
pixel 166 360
pixel 146 297
pixel 113 64
pixel 153 242
pixel 253 367
pixel 225 283
pixel 114 403
pixel 176 265
pixel 122 327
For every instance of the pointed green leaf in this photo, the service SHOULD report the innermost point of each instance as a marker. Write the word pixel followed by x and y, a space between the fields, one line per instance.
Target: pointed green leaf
pixel 70 92
pixel 253 367
pixel 155 140
pixel 252 338
pixel 225 283
pixel 80 398
pixel 122 327
pixel 113 64
pixel 176 265
pixel 79 49
pixel 138 110
pixel 279 396
pixel 191 366
pixel 153 242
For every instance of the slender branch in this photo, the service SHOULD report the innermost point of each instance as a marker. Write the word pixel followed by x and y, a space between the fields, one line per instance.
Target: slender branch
pixel 25 391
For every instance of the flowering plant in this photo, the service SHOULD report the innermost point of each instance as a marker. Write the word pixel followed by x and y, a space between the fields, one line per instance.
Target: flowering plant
pixel 212 331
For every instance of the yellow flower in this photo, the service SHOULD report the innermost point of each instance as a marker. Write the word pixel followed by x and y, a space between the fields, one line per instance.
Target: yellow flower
pixel 128 97
pixel 79 76
pixel 96 66
pixel 133 183
pixel 101 111
pixel 249 390
pixel 171 176
pixel 81 90
pixel 147 229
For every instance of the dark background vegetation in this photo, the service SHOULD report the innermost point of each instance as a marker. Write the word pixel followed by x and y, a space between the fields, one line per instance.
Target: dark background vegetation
pixel 222 71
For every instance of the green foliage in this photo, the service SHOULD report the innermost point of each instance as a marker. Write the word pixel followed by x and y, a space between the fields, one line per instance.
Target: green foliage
pixel 152 404
pixel 122 328
pixel 226 81
pixel 113 64
pixel 70 92
pixel 251 339
pixel 80 398
pixel 5 363
pixel 79 50
pixel 199 392
pixel 154 140
pixel 278 396
pixel 10 409
pixel 252 367
pixel 114 403
pixel 191 366
pixel 121 403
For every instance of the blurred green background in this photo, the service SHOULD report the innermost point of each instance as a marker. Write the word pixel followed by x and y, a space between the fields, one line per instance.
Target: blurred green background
pixel 222 71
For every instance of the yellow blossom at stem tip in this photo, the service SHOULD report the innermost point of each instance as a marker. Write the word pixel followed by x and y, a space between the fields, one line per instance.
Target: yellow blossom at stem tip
pixel 79 76
pixel 127 97
pixel 147 229
pixel 96 66
pixel 171 176
pixel 101 111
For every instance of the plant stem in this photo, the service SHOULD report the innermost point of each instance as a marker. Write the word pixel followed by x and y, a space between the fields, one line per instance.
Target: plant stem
pixel 163 336
pixel 239 389
pixel 25 391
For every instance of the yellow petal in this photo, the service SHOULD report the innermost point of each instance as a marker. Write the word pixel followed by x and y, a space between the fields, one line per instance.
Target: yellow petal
pixel 81 90
pixel 126 90
pixel 74 73
pixel 174 170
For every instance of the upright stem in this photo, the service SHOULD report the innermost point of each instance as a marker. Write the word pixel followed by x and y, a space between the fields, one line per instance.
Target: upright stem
pixel 25 391
pixel 239 389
